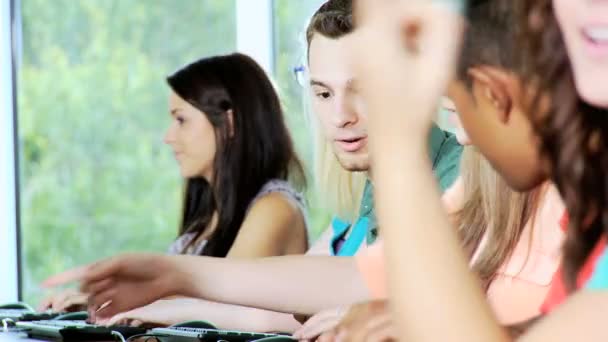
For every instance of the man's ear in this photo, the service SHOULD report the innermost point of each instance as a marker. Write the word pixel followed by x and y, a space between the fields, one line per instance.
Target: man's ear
pixel 493 85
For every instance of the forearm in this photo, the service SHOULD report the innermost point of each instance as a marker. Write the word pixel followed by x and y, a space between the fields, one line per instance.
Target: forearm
pixel 290 284
pixel 234 317
pixel 427 269
pixel 581 318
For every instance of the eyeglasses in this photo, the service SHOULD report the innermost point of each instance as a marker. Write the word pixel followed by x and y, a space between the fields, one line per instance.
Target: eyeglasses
pixel 299 74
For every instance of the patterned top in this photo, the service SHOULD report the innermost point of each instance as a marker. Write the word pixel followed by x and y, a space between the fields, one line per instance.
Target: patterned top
pixel 272 186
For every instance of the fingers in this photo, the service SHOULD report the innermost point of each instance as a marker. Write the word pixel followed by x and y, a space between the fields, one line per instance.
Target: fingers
pixel 120 319
pixel 364 328
pixel 310 331
pixel 95 288
pixel 318 324
pixel 369 10
pixel 441 39
pixel 384 333
pixel 86 274
pixel 328 336
pixel 103 306
pixel 70 298
pixel 103 270
pixel 66 277
pixel 45 304
pixel 63 301
pixel 77 302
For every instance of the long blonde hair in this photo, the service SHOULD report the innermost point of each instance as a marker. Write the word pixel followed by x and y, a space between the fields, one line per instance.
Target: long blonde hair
pixel 492 212
pixel 338 190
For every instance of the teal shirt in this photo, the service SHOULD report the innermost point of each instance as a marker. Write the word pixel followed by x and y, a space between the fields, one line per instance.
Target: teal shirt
pixel 444 151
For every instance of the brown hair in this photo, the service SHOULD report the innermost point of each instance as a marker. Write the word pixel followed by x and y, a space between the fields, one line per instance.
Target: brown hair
pixel 572 133
pixel 489 38
pixel 334 19
pixel 491 209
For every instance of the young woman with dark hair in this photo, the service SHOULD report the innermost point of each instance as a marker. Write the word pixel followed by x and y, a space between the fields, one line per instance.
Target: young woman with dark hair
pixel 242 183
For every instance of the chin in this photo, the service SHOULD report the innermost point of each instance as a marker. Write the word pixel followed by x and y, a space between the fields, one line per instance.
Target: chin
pixel 596 99
pixel 591 93
pixel 353 165
pixel 524 184
pixel 188 175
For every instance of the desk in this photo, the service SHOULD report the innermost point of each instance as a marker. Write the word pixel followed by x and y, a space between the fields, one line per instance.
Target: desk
pixel 18 337
pixel 15 337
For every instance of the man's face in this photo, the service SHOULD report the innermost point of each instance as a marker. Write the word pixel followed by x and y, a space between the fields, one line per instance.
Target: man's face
pixel 336 103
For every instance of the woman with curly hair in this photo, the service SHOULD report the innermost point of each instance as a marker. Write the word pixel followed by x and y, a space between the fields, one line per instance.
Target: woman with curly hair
pixel 566 59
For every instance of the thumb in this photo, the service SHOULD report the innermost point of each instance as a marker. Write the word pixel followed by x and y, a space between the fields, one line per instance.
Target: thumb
pixel 118 319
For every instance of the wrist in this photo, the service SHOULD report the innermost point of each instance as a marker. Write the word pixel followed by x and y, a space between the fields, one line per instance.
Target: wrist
pixel 176 280
pixel 401 142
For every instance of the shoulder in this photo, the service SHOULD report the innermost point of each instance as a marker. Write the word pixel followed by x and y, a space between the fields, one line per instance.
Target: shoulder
pixel 275 210
pixel 275 200
pixel 282 188
pixel 272 225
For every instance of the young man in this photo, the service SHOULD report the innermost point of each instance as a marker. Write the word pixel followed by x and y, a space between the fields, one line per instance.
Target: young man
pixel 300 284
pixel 342 153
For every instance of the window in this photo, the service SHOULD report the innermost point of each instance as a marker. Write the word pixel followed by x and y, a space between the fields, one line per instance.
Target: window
pixel 291 18
pixel 95 177
pixel 290 21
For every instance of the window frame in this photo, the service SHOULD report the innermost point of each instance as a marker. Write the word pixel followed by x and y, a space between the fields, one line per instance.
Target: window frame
pixel 9 203
pixel 255 31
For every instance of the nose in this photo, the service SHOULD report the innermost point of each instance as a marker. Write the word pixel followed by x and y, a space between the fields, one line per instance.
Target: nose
pixel 345 113
pixel 169 137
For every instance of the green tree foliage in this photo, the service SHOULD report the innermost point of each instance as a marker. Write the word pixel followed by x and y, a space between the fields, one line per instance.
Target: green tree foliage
pixel 96 178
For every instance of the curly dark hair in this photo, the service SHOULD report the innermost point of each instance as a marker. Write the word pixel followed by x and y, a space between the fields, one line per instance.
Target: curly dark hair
pixel 573 134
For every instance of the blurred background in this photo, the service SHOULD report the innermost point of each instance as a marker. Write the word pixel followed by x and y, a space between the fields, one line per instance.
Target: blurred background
pixel 95 177
pixel 87 80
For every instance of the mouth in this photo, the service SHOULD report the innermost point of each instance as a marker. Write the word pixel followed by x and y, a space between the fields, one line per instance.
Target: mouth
pixel 351 144
pixel 596 40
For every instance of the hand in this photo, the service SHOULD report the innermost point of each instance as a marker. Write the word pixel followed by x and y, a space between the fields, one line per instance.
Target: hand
pixel 125 282
pixel 66 301
pixel 162 312
pixel 319 323
pixel 371 321
pixel 404 54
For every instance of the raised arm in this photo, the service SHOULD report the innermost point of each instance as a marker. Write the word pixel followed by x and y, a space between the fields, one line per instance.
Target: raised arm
pixel 434 295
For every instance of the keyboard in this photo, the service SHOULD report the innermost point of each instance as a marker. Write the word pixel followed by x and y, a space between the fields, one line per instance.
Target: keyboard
pixel 66 330
pixel 183 334
pixel 26 315
pixel 13 314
